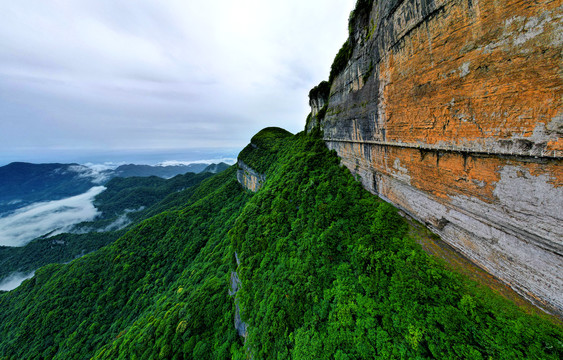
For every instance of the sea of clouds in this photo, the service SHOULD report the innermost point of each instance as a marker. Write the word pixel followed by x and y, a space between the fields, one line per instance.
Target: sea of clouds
pixel 51 217
pixel 58 216
pixel 54 217
pixel 14 280
pixel 96 173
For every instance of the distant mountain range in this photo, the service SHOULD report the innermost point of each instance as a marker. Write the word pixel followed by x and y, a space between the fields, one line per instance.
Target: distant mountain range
pixel 22 184
pixel 125 202
pixel 166 171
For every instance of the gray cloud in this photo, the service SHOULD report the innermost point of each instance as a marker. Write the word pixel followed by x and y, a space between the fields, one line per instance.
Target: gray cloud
pixel 119 223
pixel 95 173
pixel 53 217
pixel 101 74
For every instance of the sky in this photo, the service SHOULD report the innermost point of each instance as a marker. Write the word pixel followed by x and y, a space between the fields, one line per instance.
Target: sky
pixel 81 77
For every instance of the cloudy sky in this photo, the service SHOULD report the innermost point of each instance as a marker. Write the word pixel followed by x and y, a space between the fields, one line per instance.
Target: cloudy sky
pixel 79 76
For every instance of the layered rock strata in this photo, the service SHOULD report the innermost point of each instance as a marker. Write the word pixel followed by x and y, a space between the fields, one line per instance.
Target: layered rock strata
pixel 453 111
pixel 249 178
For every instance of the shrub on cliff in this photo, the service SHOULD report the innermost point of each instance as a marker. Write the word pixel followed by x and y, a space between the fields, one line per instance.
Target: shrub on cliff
pixel 340 61
pixel 262 151
pixel 321 91
pixel 360 13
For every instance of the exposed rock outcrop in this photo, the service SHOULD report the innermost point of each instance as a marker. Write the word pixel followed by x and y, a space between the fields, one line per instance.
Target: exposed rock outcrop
pixel 249 178
pixel 318 100
pixel 240 325
pixel 453 111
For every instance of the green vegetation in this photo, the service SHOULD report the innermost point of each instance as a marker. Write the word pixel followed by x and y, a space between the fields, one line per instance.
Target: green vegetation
pixel 166 280
pixel 369 72
pixel 56 249
pixel 360 13
pixel 322 112
pixel 321 91
pixel 147 196
pixel 263 149
pixel 308 121
pixel 328 271
pixel 133 193
pixel 341 60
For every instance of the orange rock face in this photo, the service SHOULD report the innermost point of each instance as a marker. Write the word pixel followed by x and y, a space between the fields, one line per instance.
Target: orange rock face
pixel 249 178
pixel 453 111
pixel 496 74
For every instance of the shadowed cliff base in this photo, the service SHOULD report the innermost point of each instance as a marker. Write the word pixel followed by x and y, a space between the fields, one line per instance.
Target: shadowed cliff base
pixel 455 261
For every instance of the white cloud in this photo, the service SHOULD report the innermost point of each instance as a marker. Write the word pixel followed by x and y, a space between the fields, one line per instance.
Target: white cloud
pixel 119 223
pixel 102 167
pixel 14 280
pixel 52 217
pixel 96 173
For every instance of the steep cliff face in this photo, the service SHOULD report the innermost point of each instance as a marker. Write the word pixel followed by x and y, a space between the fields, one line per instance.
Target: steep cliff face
pixel 249 178
pixel 453 111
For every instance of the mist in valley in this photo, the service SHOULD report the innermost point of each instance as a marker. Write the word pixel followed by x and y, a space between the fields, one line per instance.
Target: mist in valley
pixel 13 281
pixel 51 217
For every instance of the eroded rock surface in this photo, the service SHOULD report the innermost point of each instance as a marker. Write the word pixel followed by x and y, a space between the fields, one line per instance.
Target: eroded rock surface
pixel 249 178
pixel 240 325
pixel 453 111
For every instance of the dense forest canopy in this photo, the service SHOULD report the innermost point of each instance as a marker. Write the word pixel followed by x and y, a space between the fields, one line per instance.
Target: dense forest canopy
pixel 327 270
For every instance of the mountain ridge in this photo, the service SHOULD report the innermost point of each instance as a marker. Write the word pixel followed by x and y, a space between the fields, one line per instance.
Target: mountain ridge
pixel 326 270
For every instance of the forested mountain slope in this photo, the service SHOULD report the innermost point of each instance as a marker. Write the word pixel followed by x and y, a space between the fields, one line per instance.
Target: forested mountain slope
pixel 327 272
pixel 124 203
pixel 22 184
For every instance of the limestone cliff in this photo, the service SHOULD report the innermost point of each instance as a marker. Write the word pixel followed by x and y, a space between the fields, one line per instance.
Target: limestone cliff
pixel 453 111
pixel 249 178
